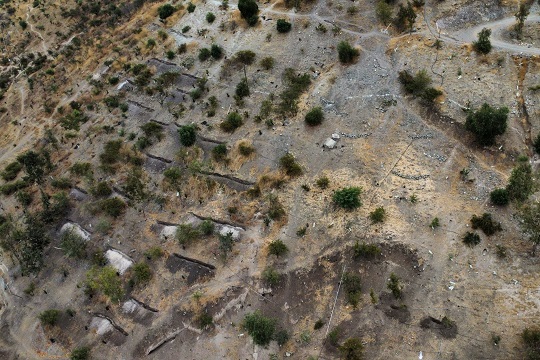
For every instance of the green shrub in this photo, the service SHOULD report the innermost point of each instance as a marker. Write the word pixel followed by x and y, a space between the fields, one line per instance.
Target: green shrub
pixel 49 317
pixel 483 45
pixel 154 252
pixel 112 101
pixel 366 251
pixel 111 152
pixel 105 280
pixel 11 171
pixel 191 7
pixel 418 85
pixel 245 149
pixel 102 189
pixel 348 198
pixel 187 233
pixel 204 54
pixel 153 130
pixel 405 17
pixel 378 215
pixel 346 52
pixel 11 188
pixel 165 11
pixel 268 63
pixel 226 243
pixel 352 349
pixel 333 336
pixel 486 223
pixel 188 135
pixel 271 276
pixel 296 84
pixel 24 197
pixel 353 287
pixel 384 12
pixel 531 339
pixel 216 51
pixel 249 10
pixel 314 117
pixel 113 207
pixel 61 183
pixel 259 327
pixel 82 353
pixel 323 182
pixel 281 337
pixel 289 164
pixel 207 227
pixel 73 245
pixel 283 26
pixel 435 223
pixel 185 29
pixel 245 57
pixel 73 120
pixel 486 123
pixel 278 248
pixel 242 89
pixel 471 239
pixel 318 324
pixel 394 286
pixel 141 273
pixel 520 185
pixel 210 17
pixel 204 320
pixel 275 208
pixel 173 175
pixel 233 122
pixel 82 169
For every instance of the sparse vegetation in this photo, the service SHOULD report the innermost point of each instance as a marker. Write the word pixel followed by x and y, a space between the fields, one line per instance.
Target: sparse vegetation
pixel 141 273
pixel 352 349
pixel 278 248
pixel 346 52
pixel 353 288
pixel 289 164
pixel 323 182
pixel 82 353
pixel 73 245
pixel 366 251
pixel 418 85
pixel 394 285
pixel 531 339
pixel 486 224
pixel 49 317
pixel 105 280
pixel 271 276
pixel 378 215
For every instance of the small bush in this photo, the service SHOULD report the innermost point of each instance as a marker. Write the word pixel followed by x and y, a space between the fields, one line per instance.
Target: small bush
pixel 11 188
pixel 366 251
pixel 259 327
pixel 207 227
pixel 394 286
pixel 82 169
pixel 210 17
pixel 73 245
pixel 271 276
pixel 486 223
pixel 113 207
pixel 191 7
pixel 219 153
pixel 242 89
pixel 216 51
pixel 233 122
pixel 106 280
pixel 486 123
pixel 111 152
pixel 11 171
pixel 348 198
pixel 346 52
pixel 323 182
pixel 352 349
pixel 520 185
pixel 318 324
pixel 141 273
pixel 483 45
pixel 353 288
pixel 204 54
pixel 82 353
pixel 188 135
pixel 267 63
pixel 245 149
pixel 333 336
pixel 154 252
pixel 204 320
pixel 278 248
pixel 378 215
pixel 288 163
pixel 165 11
pixel 435 223
pixel 61 183
pixel 49 317
pixel 531 339
pixel 275 208
pixel 187 233
pixel 471 239
pixel 281 337
pixel 283 26
pixel 314 117
pixel 102 189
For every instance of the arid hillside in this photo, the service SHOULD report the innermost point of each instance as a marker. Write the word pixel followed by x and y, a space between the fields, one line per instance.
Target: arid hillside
pixel 266 180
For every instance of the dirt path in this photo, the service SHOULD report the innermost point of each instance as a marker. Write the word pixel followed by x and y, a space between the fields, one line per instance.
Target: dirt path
pixel 43 43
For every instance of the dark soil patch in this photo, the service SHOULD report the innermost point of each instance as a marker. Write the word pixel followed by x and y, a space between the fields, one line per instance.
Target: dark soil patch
pixel 445 327
pixel 193 271
pixel 393 308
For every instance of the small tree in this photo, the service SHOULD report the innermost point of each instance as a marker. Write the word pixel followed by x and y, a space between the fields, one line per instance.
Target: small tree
pixel 288 163
pixel 348 198
pixel 315 116
pixel 187 233
pixel 165 11
pixel 283 26
pixel 520 185
pixel 405 17
pixel 188 135
pixel 82 353
pixel 259 327
pixel 210 17
pixel 278 248
pixel 242 89
pixel 521 15
pixel 384 12
pixel 249 10
pixel 486 123
pixel 232 122
pixel 352 349
pixel 499 197
pixel 483 45
pixel 49 317
pixel 346 52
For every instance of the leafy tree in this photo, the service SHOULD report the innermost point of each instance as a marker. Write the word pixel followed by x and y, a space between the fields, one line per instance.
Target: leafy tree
pixel 283 26
pixel 346 52
pixel 82 353
pixel 521 16
pixel 352 349
pixel 246 57
pixel 483 45
pixel 271 276
pixel 34 165
pixel 49 317
pixel 315 116
pixel 106 280
pixel 260 327
pixel 165 11
pixel 191 7
pixel 499 197
pixel 348 198
pixel 278 248
pixel 486 123
pixel 188 135
pixel 267 63
pixel 384 12
pixel 249 11
pixel 520 185
pixel 405 17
